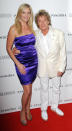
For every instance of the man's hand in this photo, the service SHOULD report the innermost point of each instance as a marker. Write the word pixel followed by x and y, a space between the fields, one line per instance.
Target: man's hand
pixel 15 51
pixel 59 73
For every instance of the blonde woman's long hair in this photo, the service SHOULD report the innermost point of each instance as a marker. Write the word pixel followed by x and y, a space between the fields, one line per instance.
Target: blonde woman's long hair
pixel 17 19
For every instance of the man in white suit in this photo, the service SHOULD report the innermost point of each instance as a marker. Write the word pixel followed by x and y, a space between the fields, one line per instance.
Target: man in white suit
pixel 51 50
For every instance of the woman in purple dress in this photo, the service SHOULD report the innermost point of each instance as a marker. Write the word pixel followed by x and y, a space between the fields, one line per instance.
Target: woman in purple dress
pixel 21 34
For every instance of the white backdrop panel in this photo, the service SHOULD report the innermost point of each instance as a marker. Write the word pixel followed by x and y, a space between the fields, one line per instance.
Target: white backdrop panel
pixel 10 87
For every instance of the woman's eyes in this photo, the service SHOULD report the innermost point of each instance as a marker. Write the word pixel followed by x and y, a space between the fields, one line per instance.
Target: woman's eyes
pixel 26 12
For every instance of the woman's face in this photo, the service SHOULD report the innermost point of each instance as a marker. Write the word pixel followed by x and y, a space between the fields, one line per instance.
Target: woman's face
pixel 25 15
pixel 43 23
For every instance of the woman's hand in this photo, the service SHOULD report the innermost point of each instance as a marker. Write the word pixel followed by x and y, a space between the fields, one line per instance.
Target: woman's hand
pixel 15 51
pixel 21 68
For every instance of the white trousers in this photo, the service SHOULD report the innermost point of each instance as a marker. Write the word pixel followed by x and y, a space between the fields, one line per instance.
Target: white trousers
pixel 44 93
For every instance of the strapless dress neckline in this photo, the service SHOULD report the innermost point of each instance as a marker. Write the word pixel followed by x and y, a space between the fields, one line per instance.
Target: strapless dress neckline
pixel 23 36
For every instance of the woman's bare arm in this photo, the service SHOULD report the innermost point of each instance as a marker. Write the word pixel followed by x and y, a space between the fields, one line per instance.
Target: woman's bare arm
pixel 10 40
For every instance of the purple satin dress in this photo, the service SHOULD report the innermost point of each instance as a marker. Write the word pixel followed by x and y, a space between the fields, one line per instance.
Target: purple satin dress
pixel 28 57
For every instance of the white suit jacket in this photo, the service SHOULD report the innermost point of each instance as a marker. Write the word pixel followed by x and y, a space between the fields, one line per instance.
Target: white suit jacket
pixel 49 64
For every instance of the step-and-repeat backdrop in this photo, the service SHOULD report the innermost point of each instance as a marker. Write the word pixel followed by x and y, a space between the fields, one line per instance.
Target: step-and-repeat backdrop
pixel 10 87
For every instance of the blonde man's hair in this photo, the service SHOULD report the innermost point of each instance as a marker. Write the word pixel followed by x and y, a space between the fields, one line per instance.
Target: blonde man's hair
pixel 42 13
pixel 17 19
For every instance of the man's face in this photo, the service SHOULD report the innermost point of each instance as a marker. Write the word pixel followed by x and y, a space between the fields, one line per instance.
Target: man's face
pixel 43 23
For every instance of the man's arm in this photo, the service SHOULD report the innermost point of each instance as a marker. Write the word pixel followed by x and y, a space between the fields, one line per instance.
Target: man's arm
pixel 62 55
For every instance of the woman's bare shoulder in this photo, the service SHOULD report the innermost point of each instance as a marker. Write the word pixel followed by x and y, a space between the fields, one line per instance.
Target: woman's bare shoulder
pixel 12 30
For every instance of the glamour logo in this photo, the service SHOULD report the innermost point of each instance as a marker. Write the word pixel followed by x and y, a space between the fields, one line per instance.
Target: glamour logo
pixel 10 93
pixel 3 37
pixel 8 110
pixel 68 100
pixel 4 57
pixel 20 91
pixel 67 85
pixel 35 105
pixel 9 75
pixel 7 93
pixel 69 34
pixel 58 15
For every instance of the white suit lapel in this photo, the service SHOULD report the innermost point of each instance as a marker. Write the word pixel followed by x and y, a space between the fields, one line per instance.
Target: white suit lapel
pixel 52 37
